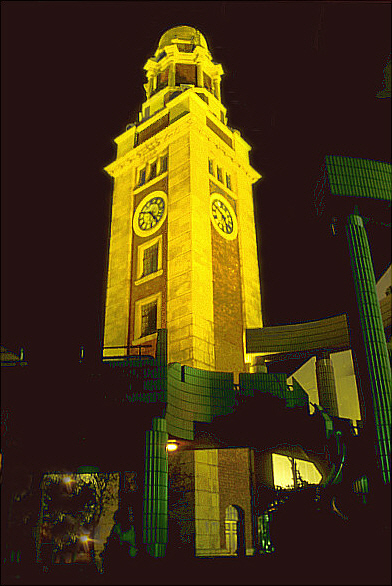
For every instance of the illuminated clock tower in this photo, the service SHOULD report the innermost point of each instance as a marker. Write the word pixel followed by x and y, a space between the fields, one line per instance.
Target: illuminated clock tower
pixel 183 252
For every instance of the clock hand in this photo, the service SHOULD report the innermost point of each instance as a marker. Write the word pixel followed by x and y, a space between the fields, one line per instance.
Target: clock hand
pixel 223 215
pixel 220 211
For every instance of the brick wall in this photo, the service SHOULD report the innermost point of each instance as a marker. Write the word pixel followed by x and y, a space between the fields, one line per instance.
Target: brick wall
pixel 235 489
pixel 211 481
pixel 181 504
pixel 227 305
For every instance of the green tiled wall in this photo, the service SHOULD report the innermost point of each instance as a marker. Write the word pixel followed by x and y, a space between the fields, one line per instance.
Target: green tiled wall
pixel 189 395
pixel 156 489
pixel 359 177
pixel 297 397
pixel 373 336
pixel 196 395
pixel 192 394
pixel 274 384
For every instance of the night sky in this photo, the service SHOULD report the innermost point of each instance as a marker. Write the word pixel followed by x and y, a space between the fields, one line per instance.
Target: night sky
pixel 300 82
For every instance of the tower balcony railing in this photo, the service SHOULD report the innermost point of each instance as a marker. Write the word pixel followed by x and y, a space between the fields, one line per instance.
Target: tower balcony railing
pixel 134 351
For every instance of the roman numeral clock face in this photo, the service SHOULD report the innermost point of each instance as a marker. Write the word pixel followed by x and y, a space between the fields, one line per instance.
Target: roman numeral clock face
pixel 223 217
pixel 150 213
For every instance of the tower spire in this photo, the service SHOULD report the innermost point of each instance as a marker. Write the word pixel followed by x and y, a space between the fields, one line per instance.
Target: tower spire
pixel 182 61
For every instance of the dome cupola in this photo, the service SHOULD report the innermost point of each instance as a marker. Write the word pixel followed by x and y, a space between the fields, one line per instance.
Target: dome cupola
pixel 182 61
pixel 179 34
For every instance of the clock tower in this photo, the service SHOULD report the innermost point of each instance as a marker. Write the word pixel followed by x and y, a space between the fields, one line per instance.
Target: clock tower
pixel 183 252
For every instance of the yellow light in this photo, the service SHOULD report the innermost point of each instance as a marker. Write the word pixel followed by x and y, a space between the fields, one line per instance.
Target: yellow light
pixel 171 446
pixel 67 479
pixel 84 538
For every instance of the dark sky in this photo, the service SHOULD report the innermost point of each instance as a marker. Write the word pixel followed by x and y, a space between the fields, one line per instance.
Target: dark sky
pixel 301 82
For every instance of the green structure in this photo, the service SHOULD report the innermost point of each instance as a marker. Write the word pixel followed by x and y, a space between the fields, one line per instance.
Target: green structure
pixel 326 383
pixel 181 396
pixel 156 489
pixel 373 337
pixel 348 182
pixel 358 178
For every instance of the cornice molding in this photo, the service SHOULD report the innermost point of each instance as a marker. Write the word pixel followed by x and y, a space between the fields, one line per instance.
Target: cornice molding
pixel 188 122
pixel 148 148
pixel 219 144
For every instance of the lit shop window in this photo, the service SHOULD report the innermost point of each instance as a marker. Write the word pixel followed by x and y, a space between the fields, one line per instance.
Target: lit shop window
pixel 292 472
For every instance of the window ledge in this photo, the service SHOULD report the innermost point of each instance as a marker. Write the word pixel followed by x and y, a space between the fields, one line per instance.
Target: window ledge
pixel 223 186
pixel 150 182
pixel 149 277
pixel 148 338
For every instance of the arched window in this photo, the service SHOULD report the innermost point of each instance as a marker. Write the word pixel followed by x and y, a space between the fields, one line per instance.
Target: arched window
pixel 234 529
pixel 231 522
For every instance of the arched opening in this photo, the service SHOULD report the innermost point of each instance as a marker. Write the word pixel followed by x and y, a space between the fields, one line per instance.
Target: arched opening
pixel 234 530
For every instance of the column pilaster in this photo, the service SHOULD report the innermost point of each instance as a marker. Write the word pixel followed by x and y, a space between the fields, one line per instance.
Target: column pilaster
pixel 326 384
pixel 373 337
pixel 156 490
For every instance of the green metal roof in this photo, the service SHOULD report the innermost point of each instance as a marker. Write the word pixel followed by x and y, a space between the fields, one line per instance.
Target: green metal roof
pixel 353 177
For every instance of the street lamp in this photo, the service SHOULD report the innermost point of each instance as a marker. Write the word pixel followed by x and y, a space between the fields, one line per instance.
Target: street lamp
pixel 171 445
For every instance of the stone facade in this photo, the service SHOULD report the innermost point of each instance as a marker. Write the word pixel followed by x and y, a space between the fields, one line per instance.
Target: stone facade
pixel 235 481
pixel 228 319
pixel 212 480
pixel 208 285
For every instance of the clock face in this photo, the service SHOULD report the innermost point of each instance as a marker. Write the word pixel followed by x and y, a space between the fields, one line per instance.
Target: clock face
pixel 223 217
pixel 150 214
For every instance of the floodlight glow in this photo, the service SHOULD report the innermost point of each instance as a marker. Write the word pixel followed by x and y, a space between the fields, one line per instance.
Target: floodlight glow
pixel 84 538
pixel 171 446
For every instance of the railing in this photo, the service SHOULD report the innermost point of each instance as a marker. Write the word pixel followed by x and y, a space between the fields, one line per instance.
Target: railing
pixel 139 346
pixel 9 358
